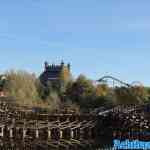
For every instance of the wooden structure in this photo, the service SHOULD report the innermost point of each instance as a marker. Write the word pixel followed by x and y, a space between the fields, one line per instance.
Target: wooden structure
pixel 68 131
pixel 22 128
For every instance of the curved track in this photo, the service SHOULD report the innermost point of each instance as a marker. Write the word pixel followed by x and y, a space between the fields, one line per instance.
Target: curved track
pixel 133 84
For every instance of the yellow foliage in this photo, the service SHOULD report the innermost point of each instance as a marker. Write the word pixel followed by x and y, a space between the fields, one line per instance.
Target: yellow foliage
pixel 102 90
pixel 22 86
pixel 65 74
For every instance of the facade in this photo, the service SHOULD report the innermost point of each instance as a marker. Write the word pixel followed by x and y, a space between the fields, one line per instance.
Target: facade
pixel 54 74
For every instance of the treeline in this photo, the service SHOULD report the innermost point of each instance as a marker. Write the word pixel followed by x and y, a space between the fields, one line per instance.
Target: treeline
pixel 80 94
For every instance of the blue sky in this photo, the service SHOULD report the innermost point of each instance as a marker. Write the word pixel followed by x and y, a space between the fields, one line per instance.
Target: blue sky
pixel 98 37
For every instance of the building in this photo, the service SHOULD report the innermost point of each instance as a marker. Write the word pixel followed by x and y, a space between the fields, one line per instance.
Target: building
pixel 54 75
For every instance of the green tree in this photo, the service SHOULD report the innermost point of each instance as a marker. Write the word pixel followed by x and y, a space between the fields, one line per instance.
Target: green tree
pixel 81 91
pixel 42 90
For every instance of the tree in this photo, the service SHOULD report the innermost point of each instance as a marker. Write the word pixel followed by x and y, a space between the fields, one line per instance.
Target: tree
pixel 81 91
pixel 130 95
pixel 53 101
pixel 102 90
pixel 22 86
pixel 43 90
pixel 140 93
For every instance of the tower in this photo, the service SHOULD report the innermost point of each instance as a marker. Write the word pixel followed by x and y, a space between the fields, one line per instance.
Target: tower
pixel 55 74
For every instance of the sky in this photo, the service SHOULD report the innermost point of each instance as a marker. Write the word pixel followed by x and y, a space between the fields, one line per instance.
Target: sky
pixel 98 37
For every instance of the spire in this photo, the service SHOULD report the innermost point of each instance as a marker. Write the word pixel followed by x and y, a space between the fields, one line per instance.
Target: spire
pixel 68 66
pixel 46 65
pixel 62 63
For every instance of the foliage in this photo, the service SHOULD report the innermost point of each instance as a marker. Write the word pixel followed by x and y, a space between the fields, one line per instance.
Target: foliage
pixel 69 107
pixel 102 90
pixel 80 94
pixel 21 86
pixel 2 80
pixel 131 95
pixel 43 91
pixel 53 100
pixel 81 90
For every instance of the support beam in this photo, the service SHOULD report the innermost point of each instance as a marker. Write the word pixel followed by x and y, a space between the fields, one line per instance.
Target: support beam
pixel 61 134
pixel 49 134
pixel 2 132
pixel 11 133
pixel 72 134
pixel 37 133
pixel 24 133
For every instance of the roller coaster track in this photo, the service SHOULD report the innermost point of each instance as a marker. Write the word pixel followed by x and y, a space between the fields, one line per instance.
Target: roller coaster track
pixel 114 79
pixel 105 78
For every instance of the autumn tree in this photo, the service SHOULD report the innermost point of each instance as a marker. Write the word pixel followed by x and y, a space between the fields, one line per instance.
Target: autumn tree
pixel 43 90
pixel 22 86
pixel 130 95
pixel 53 101
pixel 81 91
pixel 139 93
pixel 102 90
